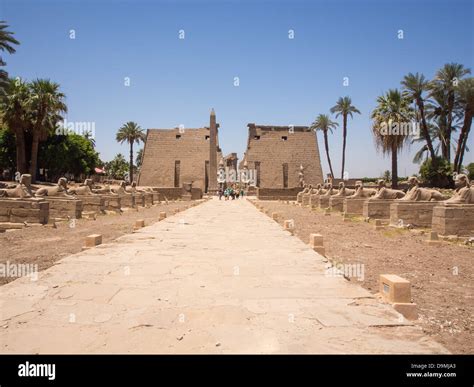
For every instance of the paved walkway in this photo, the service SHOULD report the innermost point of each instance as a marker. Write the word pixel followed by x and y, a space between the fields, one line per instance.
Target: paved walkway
pixel 218 278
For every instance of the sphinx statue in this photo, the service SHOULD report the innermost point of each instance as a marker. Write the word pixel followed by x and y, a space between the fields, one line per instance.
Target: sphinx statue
pixel 58 190
pixel 416 193
pixel 330 190
pixel 84 189
pixel 464 192
pixel 133 188
pixel 361 192
pixel 22 190
pixel 319 190
pixel 121 189
pixel 299 196
pixel 343 191
pixel 384 193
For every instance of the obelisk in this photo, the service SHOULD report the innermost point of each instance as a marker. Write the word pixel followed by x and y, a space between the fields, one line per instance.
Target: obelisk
pixel 213 154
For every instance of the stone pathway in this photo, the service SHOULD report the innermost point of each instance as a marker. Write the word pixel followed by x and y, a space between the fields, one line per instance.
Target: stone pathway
pixel 218 278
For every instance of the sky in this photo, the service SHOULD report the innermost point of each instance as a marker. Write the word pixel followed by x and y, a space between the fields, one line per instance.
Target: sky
pixel 128 63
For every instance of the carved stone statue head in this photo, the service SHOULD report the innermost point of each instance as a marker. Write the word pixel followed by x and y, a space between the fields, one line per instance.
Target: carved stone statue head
pixel 413 180
pixel 461 181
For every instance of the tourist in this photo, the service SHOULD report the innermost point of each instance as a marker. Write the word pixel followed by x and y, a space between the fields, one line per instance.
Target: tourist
pixel 221 192
pixel 242 193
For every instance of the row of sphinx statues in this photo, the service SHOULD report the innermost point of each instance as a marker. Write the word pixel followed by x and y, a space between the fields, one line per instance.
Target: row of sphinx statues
pixel 25 190
pixel 463 193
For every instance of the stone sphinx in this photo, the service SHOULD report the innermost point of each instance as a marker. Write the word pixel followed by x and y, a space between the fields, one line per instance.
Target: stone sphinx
pixel 306 196
pixel 416 193
pixel 299 196
pixel 319 190
pixel 384 193
pixel 58 190
pixel 464 192
pixel 362 192
pixel 330 190
pixel 343 191
pixel 121 189
pixel 22 190
pixel 83 190
pixel 455 216
pixel 378 206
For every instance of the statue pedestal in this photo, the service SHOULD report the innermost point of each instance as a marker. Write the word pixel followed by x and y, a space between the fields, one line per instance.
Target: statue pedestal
pixel 418 214
pixel 112 202
pixel 377 209
pixel 314 201
pixel 139 199
pixel 93 203
pixel 305 199
pixel 63 208
pixel 24 210
pixel 323 201
pixel 127 200
pixel 336 203
pixel 453 219
pixel 354 206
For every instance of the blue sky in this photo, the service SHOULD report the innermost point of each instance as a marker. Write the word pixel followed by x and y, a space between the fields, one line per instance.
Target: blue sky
pixel 282 81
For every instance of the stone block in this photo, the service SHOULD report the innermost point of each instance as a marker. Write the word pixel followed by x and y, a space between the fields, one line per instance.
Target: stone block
pixel 419 214
pixel 64 208
pixel 394 288
pixel 315 240
pixel 323 201
pixel 377 209
pixel 453 219
pixel 93 203
pixel 162 215
pixel 93 240
pixel 336 203
pixel 24 210
pixel 353 206
pixel 139 223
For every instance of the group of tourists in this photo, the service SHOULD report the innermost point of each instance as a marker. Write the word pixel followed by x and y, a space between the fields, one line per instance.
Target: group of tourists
pixel 231 193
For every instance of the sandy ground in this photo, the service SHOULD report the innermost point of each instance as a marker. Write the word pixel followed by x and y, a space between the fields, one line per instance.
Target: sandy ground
pixel 217 278
pixel 44 245
pixel 442 277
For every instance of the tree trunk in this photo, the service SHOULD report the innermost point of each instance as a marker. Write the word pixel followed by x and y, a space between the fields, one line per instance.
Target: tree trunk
pixel 20 151
pixel 344 135
pixel 326 145
pixel 34 156
pixel 394 166
pixel 465 129
pixel 424 128
pixel 131 162
pixel 449 123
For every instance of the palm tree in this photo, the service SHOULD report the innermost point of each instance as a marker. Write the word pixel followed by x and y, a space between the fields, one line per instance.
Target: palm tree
pixel 345 108
pixel 324 124
pixel 466 98
pixel 415 85
pixel 392 108
pixel 130 132
pixel 446 81
pixel 46 106
pixel 16 116
pixel 6 44
pixel 88 135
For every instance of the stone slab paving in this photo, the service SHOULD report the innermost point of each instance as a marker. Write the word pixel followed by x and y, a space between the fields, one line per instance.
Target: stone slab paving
pixel 218 278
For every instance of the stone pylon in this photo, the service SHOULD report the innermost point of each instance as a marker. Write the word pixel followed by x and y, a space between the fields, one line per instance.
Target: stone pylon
pixel 213 153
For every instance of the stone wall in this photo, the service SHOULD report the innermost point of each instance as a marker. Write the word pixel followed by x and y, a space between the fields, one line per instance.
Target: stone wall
pixel 21 210
pixel 278 193
pixel 453 219
pixel 165 147
pixel 274 146
pixel 64 208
